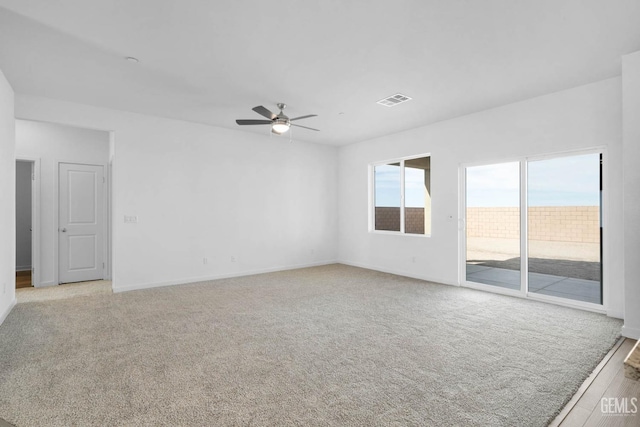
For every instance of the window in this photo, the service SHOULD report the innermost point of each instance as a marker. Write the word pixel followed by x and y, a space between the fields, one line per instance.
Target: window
pixel 402 196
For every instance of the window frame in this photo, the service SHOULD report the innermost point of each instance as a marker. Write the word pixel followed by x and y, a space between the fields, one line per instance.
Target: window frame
pixel 524 160
pixel 372 198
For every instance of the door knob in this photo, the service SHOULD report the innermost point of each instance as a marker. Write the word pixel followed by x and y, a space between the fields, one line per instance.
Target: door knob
pixel 64 230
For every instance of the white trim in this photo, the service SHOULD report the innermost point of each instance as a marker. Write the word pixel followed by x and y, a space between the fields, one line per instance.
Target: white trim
pixel 23 268
pixel 398 233
pixel 188 280
pixel 492 288
pixel 402 198
pixel 497 162
pixel 399 159
pixel 536 157
pixel 36 275
pixel 111 259
pixel 606 227
pixel 616 314
pixel 56 220
pixel 567 302
pixel 564 302
pixel 566 153
pixel 631 332
pixel 4 315
pixel 462 225
pixel 524 227
pixel 426 278
pixel 371 199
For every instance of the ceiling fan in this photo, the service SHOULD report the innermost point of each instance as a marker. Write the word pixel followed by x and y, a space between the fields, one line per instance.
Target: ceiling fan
pixel 280 123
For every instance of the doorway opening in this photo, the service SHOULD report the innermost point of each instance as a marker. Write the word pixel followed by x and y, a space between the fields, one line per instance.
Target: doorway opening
pixel 27 224
pixel 72 193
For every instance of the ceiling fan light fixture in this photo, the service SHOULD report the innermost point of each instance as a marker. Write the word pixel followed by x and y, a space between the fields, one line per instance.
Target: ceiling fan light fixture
pixel 280 126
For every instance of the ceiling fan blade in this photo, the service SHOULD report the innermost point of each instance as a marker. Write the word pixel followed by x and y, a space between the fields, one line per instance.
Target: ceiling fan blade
pixel 253 122
pixel 304 117
pixel 264 112
pixel 293 124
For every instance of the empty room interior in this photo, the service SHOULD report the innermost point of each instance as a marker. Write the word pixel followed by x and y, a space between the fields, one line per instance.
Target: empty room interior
pixel 319 213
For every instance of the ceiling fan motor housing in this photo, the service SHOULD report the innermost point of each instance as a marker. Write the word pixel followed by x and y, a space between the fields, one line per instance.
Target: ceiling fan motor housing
pixel 281 124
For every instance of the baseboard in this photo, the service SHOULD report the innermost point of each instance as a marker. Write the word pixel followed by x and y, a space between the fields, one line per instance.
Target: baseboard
pixel 616 314
pixel 45 284
pixel 217 277
pixel 631 332
pixel 400 273
pixel 8 310
pixel 23 268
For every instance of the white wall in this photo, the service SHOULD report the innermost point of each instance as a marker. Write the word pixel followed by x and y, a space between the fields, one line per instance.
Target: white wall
pixel 631 144
pixel 23 215
pixel 53 143
pixel 7 200
pixel 201 191
pixel 587 116
pixel 205 192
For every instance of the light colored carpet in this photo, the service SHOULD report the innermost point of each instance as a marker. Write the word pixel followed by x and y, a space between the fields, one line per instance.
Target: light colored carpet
pixel 331 345
pixel 65 291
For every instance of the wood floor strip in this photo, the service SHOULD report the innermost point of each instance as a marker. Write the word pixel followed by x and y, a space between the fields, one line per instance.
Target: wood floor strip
pixel 3 423
pixel 609 382
pixel 621 388
pixel 585 385
pixel 591 398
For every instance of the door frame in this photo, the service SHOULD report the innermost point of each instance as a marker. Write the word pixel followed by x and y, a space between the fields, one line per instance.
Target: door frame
pixel 56 218
pixel 523 292
pixel 35 219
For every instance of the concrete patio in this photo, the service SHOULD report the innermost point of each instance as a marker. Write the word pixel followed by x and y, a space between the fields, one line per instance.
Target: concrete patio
pixel 560 269
pixel 545 284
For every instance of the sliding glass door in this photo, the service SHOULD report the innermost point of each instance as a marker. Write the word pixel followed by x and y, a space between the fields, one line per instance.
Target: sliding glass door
pixel 559 221
pixel 493 225
pixel 564 227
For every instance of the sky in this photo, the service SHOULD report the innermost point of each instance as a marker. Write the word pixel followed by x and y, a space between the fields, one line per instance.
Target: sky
pixel 387 186
pixel 562 181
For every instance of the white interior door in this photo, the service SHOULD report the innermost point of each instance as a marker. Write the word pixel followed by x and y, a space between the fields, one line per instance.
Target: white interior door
pixel 81 223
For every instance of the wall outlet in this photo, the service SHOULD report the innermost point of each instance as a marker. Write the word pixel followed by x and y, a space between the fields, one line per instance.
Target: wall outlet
pixel 233 258
pixel 413 259
pixel 131 218
pixel 205 260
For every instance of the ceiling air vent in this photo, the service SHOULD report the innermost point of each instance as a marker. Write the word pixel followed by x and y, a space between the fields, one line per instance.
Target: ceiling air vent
pixel 393 100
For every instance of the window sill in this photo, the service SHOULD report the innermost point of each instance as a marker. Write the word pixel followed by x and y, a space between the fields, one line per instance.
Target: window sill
pixel 397 233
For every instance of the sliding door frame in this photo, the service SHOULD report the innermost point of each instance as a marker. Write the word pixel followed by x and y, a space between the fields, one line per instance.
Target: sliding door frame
pixel 524 255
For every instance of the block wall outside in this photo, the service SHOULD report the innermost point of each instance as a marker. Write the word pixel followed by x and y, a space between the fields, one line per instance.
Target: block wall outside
pixel 552 223
pixel 503 223
pixel 388 218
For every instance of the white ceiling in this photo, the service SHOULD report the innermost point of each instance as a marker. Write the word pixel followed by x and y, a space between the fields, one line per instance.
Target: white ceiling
pixel 212 61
